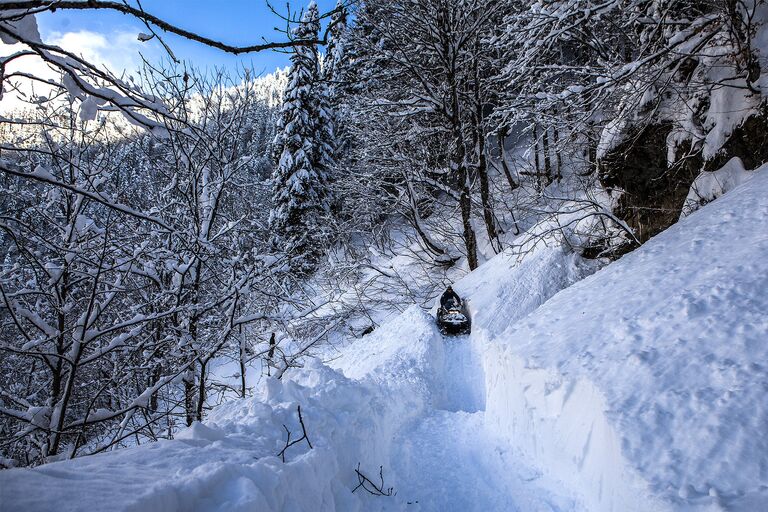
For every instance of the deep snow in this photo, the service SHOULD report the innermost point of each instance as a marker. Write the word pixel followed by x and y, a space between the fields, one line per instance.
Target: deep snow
pixel 648 379
pixel 641 387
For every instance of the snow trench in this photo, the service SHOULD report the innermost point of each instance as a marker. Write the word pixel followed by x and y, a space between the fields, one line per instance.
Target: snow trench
pixel 554 425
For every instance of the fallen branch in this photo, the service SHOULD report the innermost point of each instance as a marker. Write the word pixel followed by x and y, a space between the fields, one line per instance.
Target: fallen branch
pixel 376 490
pixel 288 442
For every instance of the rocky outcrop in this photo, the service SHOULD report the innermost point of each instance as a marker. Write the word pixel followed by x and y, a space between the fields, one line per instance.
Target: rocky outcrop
pixel 654 191
pixel 749 142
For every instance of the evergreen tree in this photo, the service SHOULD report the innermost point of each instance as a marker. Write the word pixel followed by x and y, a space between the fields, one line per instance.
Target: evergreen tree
pixel 335 54
pixel 329 92
pixel 300 175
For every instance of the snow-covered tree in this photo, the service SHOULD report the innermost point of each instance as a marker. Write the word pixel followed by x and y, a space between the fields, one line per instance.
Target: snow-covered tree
pixel 300 197
pixel 333 71
pixel 421 64
pixel 115 312
pixel 646 92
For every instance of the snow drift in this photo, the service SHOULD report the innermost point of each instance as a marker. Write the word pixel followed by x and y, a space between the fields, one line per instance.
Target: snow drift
pixel 230 463
pixel 643 387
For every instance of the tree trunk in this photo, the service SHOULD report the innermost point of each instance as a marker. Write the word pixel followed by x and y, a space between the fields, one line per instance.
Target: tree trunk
pixel 430 244
pixel 485 196
pixel 271 354
pixel 201 389
pixel 458 155
pixel 157 371
pixel 61 408
pixel 547 158
pixel 536 165
pixel 470 241
pixel 482 171
pixel 558 160
pixel 243 355
pixel 189 395
pixel 501 136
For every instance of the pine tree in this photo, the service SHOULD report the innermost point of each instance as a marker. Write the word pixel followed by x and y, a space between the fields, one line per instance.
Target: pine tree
pixel 329 92
pixel 300 175
pixel 335 54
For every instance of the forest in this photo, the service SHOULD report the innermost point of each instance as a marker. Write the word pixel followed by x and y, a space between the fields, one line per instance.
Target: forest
pixel 168 237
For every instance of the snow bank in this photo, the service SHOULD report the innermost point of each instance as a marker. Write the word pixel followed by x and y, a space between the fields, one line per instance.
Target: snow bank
pixel 643 386
pixel 230 463
pixel 708 186
pixel 512 285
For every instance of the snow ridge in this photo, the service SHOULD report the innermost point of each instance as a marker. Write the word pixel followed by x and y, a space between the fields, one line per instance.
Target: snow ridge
pixel 647 378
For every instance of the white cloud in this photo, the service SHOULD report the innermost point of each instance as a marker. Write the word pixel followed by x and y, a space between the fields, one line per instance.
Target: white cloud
pixel 118 51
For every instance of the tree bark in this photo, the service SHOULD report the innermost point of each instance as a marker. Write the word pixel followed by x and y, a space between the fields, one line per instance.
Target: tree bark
pixel 547 158
pixel 201 389
pixel 470 241
pixel 242 363
pixel 536 164
pixel 189 396
pixel 482 169
pixel 501 136
pixel 558 160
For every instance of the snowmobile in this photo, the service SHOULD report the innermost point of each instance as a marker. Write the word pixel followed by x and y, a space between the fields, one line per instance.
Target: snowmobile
pixel 454 321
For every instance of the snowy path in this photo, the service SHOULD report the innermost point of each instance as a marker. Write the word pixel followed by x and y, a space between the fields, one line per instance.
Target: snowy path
pixel 444 461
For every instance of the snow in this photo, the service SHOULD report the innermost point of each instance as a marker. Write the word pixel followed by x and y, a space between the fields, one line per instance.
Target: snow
pixel 89 108
pixel 42 173
pixel 647 378
pixel 611 136
pixel 729 108
pixel 708 186
pixel 227 464
pixel 640 387
pixel 25 27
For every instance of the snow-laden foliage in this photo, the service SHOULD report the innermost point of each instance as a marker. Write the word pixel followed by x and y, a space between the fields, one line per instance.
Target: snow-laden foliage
pixel 129 264
pixel 594 70
pixel 303 150
pixel 162 235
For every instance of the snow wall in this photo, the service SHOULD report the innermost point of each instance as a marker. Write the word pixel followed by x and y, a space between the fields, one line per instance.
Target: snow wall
pixel 643 387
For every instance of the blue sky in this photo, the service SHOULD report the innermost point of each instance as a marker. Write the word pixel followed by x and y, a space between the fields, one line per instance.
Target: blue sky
pixel 238 22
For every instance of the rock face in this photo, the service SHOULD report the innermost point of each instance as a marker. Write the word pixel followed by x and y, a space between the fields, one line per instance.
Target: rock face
pixel 654 191
pixel 749 142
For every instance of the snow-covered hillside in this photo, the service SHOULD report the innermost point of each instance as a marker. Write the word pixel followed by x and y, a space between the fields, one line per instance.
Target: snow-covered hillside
pixel 641 387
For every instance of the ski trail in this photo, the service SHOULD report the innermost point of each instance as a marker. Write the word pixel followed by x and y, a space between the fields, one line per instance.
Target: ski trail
pixel 444 461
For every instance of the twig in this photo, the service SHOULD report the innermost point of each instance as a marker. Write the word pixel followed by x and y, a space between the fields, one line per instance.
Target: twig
pixel 288 442
pixel 376 490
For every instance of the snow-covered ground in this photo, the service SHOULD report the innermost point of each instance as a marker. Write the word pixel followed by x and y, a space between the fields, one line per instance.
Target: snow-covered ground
pixel 640 387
